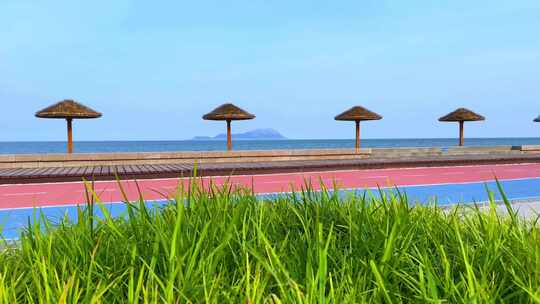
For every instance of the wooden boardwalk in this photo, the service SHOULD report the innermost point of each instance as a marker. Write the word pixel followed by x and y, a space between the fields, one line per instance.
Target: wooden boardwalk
pixel 65 174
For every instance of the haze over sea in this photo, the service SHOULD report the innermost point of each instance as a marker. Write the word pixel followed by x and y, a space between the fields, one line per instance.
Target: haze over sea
pixel 215 145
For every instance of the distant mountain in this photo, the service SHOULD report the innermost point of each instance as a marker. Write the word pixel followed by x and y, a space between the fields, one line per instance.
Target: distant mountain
pixel 258 134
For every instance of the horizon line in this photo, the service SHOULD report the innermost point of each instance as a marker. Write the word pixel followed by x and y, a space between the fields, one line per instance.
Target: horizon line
pixel 262 139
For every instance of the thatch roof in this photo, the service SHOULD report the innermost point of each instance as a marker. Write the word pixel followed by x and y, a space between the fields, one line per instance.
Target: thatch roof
pixel 537 119
pixel 358 113
pixel 228 111
pixel 462 114
pixel 68 109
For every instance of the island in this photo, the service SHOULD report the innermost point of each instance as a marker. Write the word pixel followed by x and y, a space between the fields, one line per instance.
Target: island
pixel 258 134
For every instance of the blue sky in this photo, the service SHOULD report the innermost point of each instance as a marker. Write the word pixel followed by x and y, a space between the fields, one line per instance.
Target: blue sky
pixel 155 67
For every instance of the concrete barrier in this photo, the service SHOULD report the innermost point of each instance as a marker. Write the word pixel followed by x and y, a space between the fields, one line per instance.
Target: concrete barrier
pixel 530 148
pixel 103 159
pixel 155 158
pixel 482 150
pixel 405 152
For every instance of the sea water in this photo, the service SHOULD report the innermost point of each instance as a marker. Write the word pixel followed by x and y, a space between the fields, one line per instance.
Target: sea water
pixel 216 145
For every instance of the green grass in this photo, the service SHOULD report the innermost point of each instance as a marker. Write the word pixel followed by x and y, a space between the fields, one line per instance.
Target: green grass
pixel 224 246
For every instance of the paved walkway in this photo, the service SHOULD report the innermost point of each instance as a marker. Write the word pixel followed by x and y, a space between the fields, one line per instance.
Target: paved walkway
pixel 66 174
pixel 527 209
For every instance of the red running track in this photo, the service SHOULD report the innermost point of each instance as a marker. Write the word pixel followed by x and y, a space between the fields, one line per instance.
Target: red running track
pixel 49 194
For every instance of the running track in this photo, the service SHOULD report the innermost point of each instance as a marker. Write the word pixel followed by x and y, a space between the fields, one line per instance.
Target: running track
pixel 448 185
pixel 71 193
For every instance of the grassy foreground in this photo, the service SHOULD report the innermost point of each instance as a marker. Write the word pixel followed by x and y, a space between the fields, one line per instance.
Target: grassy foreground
pixel 225 246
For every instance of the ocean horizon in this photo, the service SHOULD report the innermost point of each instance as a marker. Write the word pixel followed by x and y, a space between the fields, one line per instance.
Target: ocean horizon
pixel 39 147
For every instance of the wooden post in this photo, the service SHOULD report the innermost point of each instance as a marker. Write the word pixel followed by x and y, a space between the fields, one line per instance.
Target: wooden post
pixel 461 139
pixel 69 135
pixel 229 141
pixel 357 145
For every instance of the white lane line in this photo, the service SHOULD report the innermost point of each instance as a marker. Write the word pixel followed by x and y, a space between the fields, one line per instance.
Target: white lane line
pixel 23 193
pixel 98 191
pixel 277 182
pixel 166 187
pixel 315 180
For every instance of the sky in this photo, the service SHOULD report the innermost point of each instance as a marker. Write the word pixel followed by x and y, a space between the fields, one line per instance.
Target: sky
pixel 155 67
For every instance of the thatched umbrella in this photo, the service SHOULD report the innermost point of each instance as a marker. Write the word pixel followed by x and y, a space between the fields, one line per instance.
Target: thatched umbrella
pixel 228 112
pixel 358 114
pixel 537 119
pixel 68 110
pixel 461 115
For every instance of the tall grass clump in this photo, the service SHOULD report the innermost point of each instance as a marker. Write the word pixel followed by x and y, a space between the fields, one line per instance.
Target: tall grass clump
pixel 221 245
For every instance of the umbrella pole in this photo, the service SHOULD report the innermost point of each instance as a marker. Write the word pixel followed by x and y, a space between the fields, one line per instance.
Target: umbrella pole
pixel 69 135
pixel 357 145
pixel 461 139
pixel 229 142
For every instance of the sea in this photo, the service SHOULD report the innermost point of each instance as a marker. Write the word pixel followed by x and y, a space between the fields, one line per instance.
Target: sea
pixel 216 145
